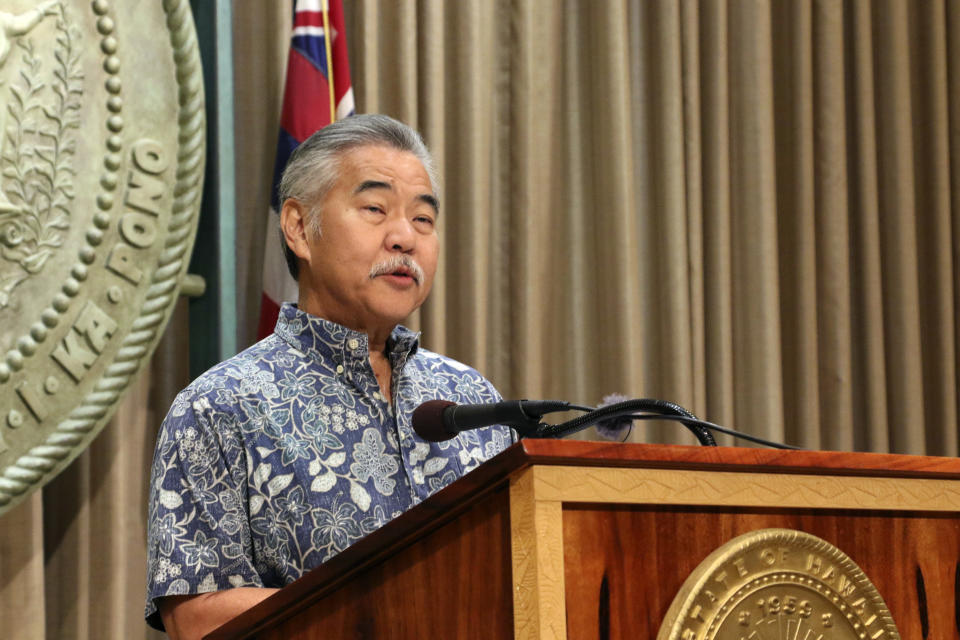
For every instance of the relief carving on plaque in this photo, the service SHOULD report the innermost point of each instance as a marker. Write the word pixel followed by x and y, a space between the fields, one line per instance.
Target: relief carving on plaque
pixel 37 145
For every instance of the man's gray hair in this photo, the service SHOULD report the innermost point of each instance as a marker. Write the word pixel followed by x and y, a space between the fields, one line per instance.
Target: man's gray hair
pixel 313 167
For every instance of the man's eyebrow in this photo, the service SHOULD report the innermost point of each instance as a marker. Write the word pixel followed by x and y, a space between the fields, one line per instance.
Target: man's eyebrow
pixel 427 198
pixel 366 185
pixel 430 200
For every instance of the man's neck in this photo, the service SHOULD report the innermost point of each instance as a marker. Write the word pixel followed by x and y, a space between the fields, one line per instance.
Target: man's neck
pixel 377 340
pixel 380 362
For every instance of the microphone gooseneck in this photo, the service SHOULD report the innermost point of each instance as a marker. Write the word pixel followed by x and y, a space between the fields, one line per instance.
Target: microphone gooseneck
pixel 440 420
pixel 661 408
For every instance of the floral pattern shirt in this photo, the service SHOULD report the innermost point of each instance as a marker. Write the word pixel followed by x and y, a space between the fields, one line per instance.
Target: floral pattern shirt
pixel 281 457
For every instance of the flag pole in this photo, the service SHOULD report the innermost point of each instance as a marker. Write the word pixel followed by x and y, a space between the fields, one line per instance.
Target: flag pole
pixel 328 43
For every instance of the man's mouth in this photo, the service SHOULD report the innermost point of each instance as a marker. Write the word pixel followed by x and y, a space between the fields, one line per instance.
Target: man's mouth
pixel 403 272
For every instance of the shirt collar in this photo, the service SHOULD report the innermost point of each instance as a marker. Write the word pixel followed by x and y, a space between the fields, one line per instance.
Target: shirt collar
pixel 328 342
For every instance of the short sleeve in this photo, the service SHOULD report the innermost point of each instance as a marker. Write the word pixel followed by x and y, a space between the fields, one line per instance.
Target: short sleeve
pixel 198 536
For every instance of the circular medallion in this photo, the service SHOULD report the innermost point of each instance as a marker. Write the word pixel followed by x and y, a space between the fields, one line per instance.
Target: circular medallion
pixel 778 584
pixel 101 168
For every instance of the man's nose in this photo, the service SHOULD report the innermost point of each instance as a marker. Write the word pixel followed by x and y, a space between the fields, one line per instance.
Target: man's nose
pixel 401 236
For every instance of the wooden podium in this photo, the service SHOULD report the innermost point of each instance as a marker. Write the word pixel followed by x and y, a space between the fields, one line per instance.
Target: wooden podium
pixel 570 539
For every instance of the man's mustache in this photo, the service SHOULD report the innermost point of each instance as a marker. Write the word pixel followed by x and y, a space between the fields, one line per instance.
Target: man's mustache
pixel 401 262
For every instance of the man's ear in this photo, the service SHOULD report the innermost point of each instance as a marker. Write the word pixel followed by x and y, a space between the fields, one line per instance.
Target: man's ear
pixel 293 223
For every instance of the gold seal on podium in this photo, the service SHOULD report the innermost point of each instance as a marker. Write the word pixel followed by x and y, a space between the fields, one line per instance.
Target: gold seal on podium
pixel 778 584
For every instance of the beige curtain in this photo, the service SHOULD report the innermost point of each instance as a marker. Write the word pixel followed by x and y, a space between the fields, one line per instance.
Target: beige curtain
pixel 747 207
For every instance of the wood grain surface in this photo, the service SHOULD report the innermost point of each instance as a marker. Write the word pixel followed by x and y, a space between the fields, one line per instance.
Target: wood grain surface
pixel 624 565
pixel 453 583
pixel 583 453
pixel 536 533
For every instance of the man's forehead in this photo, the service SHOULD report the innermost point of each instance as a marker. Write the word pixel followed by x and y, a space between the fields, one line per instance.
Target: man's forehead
pixel 384 164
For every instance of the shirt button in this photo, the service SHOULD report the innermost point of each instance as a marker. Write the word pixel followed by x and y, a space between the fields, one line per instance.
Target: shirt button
pixel 353 343
pixel 339 368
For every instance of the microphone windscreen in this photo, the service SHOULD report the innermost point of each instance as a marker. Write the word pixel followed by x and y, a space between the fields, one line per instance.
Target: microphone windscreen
pixel 614 428
pixel 427 421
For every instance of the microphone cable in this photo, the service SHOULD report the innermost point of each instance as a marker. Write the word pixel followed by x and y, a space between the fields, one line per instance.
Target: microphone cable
pixel 661 408
pixel 655 410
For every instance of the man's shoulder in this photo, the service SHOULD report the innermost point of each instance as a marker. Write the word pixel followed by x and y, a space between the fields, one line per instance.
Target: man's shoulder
pixel 251 378
pixel 432 361
pixel 267 355
pixel 440 376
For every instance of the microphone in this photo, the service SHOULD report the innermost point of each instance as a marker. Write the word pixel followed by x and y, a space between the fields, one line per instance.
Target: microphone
pixel 439 420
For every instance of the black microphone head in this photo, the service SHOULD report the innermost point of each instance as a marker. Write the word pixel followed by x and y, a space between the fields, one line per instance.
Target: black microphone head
pixel 427 421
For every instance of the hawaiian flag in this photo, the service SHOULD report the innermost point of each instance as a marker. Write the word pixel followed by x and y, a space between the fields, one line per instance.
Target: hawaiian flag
pixel 317 93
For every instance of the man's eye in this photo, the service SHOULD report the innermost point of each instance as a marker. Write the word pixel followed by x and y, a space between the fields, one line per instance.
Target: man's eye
pixel 374 208
pixel 424 219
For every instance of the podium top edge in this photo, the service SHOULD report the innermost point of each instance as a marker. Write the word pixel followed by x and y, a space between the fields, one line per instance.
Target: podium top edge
pixel 591 453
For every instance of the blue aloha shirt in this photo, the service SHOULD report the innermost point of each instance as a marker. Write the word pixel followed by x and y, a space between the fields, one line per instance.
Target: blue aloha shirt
pixel 279 458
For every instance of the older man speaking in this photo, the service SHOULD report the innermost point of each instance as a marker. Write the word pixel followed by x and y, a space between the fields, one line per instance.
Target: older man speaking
pixel 284 455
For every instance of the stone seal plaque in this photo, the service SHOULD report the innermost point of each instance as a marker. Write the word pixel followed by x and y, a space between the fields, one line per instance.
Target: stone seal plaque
pixel 778 584
pixel 102 138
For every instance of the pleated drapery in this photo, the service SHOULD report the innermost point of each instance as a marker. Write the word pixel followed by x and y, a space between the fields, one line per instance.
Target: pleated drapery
pixel 747 207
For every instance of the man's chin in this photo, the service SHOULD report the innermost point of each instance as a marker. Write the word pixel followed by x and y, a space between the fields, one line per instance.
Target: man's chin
pixel 399 299
pixel 394 314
